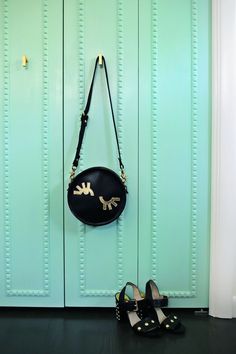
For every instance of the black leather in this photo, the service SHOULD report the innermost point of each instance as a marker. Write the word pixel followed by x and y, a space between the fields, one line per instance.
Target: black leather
pixel 84 117
pixel 162 302
pixel 173 324
pixel 96 196
pixel 146 326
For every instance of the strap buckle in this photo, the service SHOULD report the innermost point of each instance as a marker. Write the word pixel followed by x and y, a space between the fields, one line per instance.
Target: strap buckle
pixel 84 118
pixel 136 305
pixel 129 305
pixel 72 173
pixel 123 176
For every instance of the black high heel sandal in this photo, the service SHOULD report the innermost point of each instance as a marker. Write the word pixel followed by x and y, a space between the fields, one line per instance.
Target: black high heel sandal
pixel 154 302
pixel 131 309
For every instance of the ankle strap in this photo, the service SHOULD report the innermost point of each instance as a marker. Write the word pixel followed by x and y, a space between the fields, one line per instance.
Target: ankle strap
pixel 158 302
pixel 153 296
pixel 136 293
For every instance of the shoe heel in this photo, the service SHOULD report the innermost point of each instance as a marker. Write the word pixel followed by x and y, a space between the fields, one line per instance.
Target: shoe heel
pixel 141 314
pixel 121 315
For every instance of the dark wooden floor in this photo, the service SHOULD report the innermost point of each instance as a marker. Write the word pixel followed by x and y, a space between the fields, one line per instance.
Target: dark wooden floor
pixel 95 331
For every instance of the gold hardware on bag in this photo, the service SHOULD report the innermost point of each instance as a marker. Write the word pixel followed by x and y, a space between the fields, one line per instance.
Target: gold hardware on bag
pixel 84 190
pixel 103 181
pixel 108 204
pixel 123 176
pixel 72 174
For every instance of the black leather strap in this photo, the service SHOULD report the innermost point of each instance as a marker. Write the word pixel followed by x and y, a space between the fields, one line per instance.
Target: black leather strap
pixel 153 297
pixel 147 326
pixel 130 305
pixel 84 118
pixel 171 323
pixel 122 293
pixel 134 304
pixel 162 302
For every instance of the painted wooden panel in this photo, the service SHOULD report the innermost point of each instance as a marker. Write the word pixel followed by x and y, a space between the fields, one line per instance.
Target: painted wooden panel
pixel 31 236
pixel 99 260
pixel 174 145
pixel 157 54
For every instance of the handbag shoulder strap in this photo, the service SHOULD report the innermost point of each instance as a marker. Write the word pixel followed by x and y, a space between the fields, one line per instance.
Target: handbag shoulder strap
pixel 84 120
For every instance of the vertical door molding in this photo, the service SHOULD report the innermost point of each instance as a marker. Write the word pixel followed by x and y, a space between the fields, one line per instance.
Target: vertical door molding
pixel 81 83
pixel 120 127
pixel 155 138
pixel 5 129
pixel 223 222
pixel 194 146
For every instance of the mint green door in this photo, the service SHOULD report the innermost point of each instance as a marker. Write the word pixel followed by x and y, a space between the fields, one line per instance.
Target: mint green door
pixel 31 188
pixel 174 145
pixel 158 58
pixel 99 260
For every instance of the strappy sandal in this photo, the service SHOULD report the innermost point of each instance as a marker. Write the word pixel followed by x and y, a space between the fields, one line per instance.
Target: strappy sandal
pixel 154 302
pixel 131 309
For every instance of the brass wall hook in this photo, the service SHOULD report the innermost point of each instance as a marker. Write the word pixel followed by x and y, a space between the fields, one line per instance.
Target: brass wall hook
pixel 24 61
pixel 100 60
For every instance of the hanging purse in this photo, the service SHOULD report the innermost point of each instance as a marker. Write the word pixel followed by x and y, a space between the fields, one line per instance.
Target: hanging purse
pixel 97 195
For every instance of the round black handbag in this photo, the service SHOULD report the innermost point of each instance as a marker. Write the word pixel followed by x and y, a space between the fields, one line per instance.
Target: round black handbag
pixel 97 195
